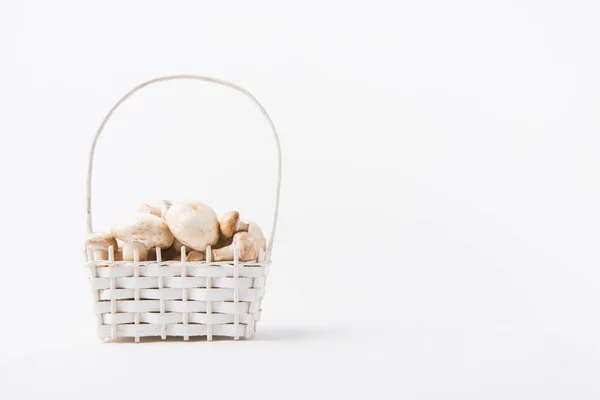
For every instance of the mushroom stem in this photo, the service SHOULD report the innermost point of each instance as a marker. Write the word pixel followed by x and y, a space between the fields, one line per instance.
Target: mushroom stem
pixel 100 254
pixel 241 226
pixel 129 249
pixel 247 246
pixel 99 242
pixel 148 209
pixel 223 254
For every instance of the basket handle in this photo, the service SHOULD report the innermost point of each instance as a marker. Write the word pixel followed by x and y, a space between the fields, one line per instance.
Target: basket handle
pixel 189 77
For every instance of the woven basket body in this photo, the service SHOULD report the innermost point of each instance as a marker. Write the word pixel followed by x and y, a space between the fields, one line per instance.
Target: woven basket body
pixel 135 299
pixel 177 299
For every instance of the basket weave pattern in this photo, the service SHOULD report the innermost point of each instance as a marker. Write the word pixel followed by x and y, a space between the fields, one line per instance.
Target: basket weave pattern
pixel 177 298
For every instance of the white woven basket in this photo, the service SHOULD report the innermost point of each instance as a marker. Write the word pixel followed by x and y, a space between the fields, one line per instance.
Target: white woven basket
pixel 172 298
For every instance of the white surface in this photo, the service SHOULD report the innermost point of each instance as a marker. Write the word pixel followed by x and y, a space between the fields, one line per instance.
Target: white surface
pixel 440 160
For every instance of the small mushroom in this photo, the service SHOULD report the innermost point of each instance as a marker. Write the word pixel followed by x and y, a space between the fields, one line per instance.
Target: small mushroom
pixel 129 251
pixel 159 209
pixel 194 224
pixel 258 235
pixel 142 227
pixel 250 245
pixel 163 206
pixel 100 242
pixel 231 223
pixel 195 256
pixel 148 209
pixel 246 247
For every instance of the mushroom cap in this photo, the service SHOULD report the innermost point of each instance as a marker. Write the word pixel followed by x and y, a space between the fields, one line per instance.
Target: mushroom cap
pixel 195 256
pixel 143 227
pixel 194 224
pixel 247 246
pixel 147 208
pixel 258 235
pixel 101 241
pixel 229 224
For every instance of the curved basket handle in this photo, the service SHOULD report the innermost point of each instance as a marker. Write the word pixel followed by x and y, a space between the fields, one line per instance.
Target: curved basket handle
pixel 191 77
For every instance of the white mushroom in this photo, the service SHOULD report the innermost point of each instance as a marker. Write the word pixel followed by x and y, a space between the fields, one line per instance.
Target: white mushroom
pixel 163 206
pixel 147 228
pixel 129 251
pixel 246 246
pixel 194 224
pixel 195 256
pixel 250 244
pixel 159 209
pixel 231 223
pixel 100 242
pixel 258 235
pixel 148 209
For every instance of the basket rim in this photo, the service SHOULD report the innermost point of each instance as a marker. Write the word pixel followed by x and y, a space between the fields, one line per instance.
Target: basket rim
pixel 107 263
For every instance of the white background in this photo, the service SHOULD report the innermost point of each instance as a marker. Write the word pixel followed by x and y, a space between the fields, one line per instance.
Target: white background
pixel 439 213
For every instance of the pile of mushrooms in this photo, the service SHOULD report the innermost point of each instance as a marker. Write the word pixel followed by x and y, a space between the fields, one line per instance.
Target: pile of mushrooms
pixel 181 230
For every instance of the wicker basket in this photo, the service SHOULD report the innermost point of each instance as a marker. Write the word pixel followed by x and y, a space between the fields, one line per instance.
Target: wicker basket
pixel 172 298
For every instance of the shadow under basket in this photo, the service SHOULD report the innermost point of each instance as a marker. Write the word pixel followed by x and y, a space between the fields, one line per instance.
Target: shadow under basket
pixel 135 299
